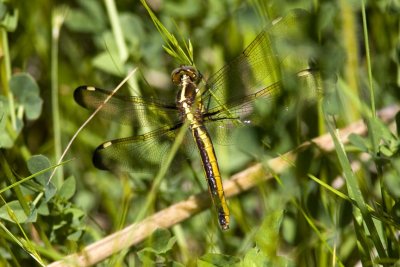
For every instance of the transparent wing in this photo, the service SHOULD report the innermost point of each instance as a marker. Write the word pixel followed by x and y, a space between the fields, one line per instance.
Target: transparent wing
pixel 238 112
pixel 242 108
pixel 132 110
pixel 142 153
pixel 259 66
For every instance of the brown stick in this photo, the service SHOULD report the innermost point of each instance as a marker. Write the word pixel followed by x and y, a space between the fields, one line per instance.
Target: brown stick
pixel 240 182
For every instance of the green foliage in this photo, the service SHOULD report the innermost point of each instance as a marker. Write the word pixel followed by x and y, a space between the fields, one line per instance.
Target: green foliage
pixel 88 18
pixel 25 88
pixel 8 16
pixel 161 243
pixel 14 212
pixel 335 206
pixel 214 259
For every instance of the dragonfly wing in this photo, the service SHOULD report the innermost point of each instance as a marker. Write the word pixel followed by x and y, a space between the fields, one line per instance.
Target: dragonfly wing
pixel 140 154
pixel 223 119
pixel 259 66
pixel 131 110
pixel 241 108
pixel 238 112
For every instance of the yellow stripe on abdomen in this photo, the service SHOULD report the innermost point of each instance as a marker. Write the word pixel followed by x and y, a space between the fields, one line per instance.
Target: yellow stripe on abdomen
pixel 211 169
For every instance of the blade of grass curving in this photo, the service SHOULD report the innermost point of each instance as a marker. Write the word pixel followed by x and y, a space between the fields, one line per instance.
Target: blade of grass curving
pixel 374 136
pixel 330 188
pixel 362 214
pixel 27 210
pixel 363 244
pixel 25 243
pixel 381 217
pixel 33 254
pixel 172 45
pixel 319 234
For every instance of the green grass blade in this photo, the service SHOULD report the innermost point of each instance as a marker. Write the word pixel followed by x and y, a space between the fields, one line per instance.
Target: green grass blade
pixel 172 46
pixel 368 57
pixel 330 188
pixel 162 171
pixel 355 193
pixel 16 183
pixel 117 29
pixel 57 21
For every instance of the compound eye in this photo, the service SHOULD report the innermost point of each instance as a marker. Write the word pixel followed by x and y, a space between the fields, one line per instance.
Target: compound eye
pixel 191 72
pixel 194 75
pixel 176 76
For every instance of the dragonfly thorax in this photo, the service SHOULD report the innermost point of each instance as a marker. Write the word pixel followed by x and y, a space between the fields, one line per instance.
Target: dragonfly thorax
pixel 188 100
pixel 187 79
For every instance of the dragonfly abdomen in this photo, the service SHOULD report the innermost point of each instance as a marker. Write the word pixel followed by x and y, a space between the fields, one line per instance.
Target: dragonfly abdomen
pixel 213 175
pixel 190 105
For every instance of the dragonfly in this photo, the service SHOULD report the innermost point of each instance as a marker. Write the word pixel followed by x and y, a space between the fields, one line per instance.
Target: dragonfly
pixel 199 104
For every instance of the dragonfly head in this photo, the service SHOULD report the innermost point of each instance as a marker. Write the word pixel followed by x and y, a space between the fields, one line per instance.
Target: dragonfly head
pixel 190 72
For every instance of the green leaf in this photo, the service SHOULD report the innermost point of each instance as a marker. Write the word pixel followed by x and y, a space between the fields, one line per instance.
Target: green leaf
pixel 133 29
pixel 109 62
pixel 75 235
pixel 387 143
pixel 13 212
pixel 49 191
pixel 254 257
pixel 161 241
pixel 267 237
pixel 68 188
pixel 37 163
pixel 26 92
pixel 88 19
pixel 43 209
pixel 8 17
pixel 76 213
pixel 32 217
pixel 71 217
pixel 379 132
